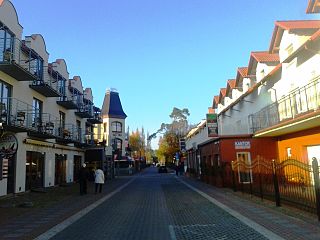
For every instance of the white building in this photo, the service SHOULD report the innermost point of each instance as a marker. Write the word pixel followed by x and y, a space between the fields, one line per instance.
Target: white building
pixel 47 119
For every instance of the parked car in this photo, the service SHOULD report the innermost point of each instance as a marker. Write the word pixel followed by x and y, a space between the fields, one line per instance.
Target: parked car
pixel 162 169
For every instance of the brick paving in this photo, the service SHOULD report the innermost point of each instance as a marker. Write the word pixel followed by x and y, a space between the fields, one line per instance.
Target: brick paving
pixel 162 206
pixel 46 213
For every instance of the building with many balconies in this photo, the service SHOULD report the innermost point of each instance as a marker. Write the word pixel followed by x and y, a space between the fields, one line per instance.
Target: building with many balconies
pixel 47 118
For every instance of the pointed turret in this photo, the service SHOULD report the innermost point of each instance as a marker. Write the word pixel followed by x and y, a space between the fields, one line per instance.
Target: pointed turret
pixel 112 107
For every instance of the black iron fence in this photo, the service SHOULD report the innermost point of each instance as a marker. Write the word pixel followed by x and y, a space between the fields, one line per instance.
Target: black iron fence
pixel 289 181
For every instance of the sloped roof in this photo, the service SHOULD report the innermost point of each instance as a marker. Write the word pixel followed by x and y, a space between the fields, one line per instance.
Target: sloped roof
pixel 281 26
pixel 222 94
pixel 242 72
pixel 231 84
pixel 313 6
pixel 215 102
pixel 111 106
pixel 263 57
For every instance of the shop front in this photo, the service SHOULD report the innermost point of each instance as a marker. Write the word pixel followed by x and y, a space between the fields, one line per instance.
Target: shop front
pixel 8 150
pixel 217 157
pixel 34 170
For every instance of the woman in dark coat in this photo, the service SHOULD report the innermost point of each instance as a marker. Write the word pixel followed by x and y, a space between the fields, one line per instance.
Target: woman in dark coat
pixel 83 177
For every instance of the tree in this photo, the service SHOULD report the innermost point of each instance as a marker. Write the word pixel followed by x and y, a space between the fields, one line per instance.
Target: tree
pixel 172 132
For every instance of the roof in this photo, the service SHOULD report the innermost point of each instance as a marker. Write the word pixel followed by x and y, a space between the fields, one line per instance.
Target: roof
pixel 222 94
pixel 231 84
pixel 313 6
pixel 215 102
pixel 111 106
pixel 242 72
pixel 263 57
pixel 281 26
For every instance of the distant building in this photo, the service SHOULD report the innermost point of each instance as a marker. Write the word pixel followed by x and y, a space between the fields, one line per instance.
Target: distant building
pixel 112 131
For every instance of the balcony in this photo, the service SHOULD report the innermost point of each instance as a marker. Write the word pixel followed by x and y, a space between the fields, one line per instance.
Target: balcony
pixel 14 114
pixel 68 102
pixel 84 111
pixel 16 60
pixel 68 133
pixel 96 118
pixel 47 85
pixel 44 126
pixel 297 111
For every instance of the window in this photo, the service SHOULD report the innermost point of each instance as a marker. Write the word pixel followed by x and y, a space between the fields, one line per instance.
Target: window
pixel 37 110
pixel 78 123
pixel 61 86
pixel 5 91
pixel 116 127
pixel 244 167
pixel 104 127
pixel 62 119
pixel 6 44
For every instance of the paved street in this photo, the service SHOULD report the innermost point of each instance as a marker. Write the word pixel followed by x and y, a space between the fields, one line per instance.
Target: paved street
pixel 160 206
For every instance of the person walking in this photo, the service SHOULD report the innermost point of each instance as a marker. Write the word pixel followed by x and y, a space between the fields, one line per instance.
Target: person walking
pixel 83 177
pixel 98 179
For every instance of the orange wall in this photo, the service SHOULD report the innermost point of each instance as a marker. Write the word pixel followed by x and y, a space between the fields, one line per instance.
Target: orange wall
pixel 298 144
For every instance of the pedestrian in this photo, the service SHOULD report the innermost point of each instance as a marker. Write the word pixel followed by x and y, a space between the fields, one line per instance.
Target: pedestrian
pixel 177 169
pixel 98 179
pixel 83 177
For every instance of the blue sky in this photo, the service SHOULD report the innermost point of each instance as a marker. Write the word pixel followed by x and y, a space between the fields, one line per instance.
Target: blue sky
pixel 158 54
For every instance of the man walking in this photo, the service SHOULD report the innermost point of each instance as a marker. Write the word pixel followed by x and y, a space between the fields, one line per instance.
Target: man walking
pixel 83 176
pixel 98 179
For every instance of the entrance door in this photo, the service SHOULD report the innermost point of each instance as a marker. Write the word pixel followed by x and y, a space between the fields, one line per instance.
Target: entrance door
pixel 313 151
pixel 244 170
pixel 60 169
pixel 34 170
pixel 76 167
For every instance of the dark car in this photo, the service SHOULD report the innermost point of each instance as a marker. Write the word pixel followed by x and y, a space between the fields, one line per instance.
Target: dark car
pixel 162 169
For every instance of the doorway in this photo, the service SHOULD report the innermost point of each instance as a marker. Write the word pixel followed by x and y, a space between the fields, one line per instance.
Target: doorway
pixel 60 169
pixel 76 167
pixel 34 170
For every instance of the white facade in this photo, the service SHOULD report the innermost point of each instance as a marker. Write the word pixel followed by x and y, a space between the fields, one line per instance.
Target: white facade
pixel 48 154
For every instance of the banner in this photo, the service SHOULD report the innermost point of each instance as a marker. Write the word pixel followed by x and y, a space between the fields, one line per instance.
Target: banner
pixel 212 124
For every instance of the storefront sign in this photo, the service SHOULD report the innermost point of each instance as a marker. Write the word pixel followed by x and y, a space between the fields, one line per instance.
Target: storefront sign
pixel 8 145
pixel 242 145
pixel 212 124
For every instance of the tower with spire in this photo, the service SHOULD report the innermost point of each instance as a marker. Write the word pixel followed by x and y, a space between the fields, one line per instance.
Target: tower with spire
pixel 114 122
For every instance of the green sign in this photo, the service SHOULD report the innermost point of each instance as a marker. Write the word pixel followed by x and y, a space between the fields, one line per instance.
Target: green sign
pixel 212 124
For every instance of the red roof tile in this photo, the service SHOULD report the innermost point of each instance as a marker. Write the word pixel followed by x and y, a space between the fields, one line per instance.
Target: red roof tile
pixel 215 102
pixel 243 71
pixel 265 56
pixel 280 26
pixel 231 83
pixel 298 24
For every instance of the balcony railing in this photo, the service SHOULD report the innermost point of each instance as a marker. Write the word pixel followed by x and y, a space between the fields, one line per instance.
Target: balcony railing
pixel 48 85
pixel 68 102
pixel 14 114
pixel 84 111
pixel 96 117
pixel 17 60
pixel 297 103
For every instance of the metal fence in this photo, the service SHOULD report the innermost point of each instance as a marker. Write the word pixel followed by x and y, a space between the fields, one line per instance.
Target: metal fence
pixel 297 103
pixel 289 181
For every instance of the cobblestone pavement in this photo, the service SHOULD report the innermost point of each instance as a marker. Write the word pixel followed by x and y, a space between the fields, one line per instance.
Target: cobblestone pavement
pixel 158 206
pixel 35 220
pixel 161 206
